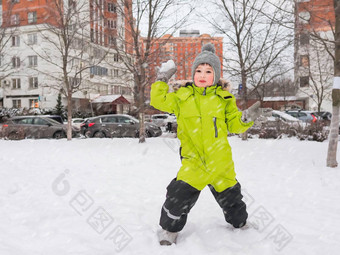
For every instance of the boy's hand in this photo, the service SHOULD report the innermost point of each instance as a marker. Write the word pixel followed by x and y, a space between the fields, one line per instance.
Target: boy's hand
pixel 252 113
pixel 167 70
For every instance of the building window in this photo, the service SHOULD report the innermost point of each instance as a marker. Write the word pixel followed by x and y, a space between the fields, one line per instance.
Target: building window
pixel 92 35
pixel 115 72
pixel 304 60
pixel 15 1
pixel 32 39
pixel 111 23
pixel 15 62
pixel 304 38
pixel 117 90
pixel 33 82
pixel 32 61
pixel 15 19
pixel 98 70
pixel 72 4
pixel 74 82
pixel 32 17
pixel 115 57
pixel 15 41
pixel 33 103
pixel 304 81
pixel 16 83
pixel 112 40
pixel 16 103
pixel 111 7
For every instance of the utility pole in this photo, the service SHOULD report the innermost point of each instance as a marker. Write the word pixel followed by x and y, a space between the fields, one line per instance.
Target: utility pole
pixel 334 134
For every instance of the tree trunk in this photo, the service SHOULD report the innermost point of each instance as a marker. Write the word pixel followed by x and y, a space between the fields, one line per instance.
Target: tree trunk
pixel 141 117
pixel 334 134
pixel 333 138
pixel 244 97
pixel 69 116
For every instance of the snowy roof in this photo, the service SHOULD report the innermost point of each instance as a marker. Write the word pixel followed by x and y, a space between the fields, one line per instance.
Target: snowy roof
pixel 292 98
pixel 106 99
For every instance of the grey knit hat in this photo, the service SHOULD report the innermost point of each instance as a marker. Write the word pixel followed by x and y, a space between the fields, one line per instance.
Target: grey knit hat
pixel 208 56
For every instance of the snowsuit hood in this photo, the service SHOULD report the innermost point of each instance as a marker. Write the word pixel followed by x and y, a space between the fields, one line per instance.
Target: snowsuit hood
pixel 204 117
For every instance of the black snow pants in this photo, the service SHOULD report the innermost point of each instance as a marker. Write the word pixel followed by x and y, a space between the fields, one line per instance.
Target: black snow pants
pixel 181 197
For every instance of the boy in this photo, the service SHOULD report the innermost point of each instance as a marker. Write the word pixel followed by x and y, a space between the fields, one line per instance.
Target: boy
pixel 205 113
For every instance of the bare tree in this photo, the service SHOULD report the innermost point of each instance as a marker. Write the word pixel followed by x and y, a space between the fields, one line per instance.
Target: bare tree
pixel 258 33
pixel 70 49
pixel 334 134
pixel 148 18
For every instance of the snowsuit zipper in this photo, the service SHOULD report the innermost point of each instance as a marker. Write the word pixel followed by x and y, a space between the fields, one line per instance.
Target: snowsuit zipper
pixel 216 132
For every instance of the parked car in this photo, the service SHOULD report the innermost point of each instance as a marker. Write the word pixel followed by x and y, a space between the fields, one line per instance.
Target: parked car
pixel 36 127
pixel 275 125
pixel 57 118
pixel 76 122
pixel 166 121
pixel 117 125
pixel 285 117
pixel 306 116
pixel 84 126
pixel 323 115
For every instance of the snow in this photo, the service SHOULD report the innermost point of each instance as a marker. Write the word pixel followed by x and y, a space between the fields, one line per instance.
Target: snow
pixel 290 98
pixel 106 99
pixel 103 196
pixel 165 67
pixel 285 116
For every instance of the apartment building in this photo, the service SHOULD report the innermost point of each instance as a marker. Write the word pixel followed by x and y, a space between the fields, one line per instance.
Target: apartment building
pixel 182 50
pixel 314 65
pixel 31 59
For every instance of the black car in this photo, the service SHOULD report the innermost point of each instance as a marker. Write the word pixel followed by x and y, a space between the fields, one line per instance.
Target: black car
pixel 117 125
pixel 324 115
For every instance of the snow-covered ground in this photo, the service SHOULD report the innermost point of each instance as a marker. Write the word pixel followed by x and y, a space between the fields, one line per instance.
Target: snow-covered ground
pixel 103 196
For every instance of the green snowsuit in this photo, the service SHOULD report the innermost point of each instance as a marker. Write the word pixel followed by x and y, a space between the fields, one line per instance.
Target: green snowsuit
pixel 204 116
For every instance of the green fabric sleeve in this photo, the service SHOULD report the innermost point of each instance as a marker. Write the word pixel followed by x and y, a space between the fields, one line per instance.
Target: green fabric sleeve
pixel 161 99
pixel 233 118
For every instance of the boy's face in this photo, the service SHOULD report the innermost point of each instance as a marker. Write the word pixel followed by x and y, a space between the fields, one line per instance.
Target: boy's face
pixel 204 75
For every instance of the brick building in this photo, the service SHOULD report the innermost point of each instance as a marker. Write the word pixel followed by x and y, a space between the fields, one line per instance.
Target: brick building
pixel 314 20
pixel 30 32
pixel 182 50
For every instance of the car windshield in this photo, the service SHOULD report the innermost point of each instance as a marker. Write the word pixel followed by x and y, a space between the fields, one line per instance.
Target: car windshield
pixel 134 119
pixel 284 116
pixel 52 121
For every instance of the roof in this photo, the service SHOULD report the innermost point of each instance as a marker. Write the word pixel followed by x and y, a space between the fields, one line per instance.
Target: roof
pixel 292 98
pixel 111 99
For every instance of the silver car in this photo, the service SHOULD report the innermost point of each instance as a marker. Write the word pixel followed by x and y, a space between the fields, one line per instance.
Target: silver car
pixel 305 116
pixel 34 127
pixel 118 125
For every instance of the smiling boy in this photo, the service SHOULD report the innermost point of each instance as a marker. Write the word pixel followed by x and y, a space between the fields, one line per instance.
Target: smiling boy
pixel 205 113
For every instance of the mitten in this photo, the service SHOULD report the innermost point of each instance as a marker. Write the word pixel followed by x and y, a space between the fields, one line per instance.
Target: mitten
pixel 252 113
pixel 167 70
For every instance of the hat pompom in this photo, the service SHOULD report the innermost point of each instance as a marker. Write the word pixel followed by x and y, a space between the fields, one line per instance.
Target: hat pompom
pixel 208 47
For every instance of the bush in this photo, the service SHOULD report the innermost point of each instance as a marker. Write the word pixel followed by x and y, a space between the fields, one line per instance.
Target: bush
pixel 278 129
pixel 314 132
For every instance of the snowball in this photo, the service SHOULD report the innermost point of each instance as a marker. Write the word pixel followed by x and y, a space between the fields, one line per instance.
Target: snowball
pixel 170 64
